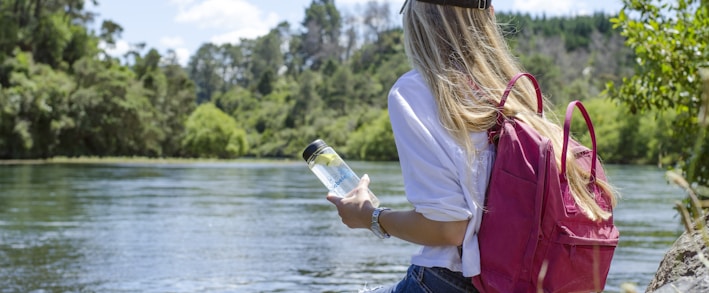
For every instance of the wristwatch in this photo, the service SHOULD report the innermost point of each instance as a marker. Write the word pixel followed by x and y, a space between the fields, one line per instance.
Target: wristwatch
pixel 376 228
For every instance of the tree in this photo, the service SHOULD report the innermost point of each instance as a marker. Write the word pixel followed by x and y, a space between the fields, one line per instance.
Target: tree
pixel 321 40
pixel 267 55
pixel 671 42
pixel 33 110
pixel 307 102
pixel 110 32
pixel 212 133
pixel 53 32
pixel 338 89
pixel 376 19
pixel 179 101
pixel 203 70
pixel 45 27
pixel 374 141
pixel 113 114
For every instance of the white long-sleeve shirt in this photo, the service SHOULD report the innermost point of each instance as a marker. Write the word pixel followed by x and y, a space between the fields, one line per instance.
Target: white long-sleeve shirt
pixel 438 180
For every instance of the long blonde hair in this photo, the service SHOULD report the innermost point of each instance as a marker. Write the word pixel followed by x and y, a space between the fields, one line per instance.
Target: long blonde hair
pixel 464 58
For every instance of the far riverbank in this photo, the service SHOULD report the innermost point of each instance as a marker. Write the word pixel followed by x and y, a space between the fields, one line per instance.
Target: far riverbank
pixel 120 160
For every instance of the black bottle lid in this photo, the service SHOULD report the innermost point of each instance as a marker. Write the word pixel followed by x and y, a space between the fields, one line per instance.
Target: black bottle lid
pixel 312 148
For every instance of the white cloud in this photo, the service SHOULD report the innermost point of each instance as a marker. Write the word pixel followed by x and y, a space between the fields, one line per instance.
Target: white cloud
pixel 239 18
pixel 172 42
pixel 119 49
pixel 183 56
pixel 236 36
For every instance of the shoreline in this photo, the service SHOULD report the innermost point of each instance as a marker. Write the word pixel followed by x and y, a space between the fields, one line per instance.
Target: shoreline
pixel 140 160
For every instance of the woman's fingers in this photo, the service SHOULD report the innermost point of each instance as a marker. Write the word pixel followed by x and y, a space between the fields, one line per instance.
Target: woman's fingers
pixel 355 208
pixel 364 181
pixel 336 200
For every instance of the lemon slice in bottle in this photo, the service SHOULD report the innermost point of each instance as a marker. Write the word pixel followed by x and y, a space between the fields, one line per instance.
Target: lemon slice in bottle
pixel 328 160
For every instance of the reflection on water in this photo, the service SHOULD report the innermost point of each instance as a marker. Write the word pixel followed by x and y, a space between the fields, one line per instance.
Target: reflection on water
pixel 241 227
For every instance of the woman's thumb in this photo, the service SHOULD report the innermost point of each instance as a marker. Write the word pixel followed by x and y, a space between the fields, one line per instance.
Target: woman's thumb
pixel 333 199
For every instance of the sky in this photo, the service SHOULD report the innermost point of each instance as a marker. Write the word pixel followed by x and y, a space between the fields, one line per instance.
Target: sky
pixel 184 25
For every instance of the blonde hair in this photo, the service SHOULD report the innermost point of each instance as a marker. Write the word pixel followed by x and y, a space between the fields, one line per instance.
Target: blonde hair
pixel 462 53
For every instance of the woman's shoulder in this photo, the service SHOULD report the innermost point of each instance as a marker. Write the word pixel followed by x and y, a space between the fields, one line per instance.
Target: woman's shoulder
pixel 410 88
pixel 410 78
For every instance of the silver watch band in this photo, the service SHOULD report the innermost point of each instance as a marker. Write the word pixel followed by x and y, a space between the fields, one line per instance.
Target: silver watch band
pixel 376 227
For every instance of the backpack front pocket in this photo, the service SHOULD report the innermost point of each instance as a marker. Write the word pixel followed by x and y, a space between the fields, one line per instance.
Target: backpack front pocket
pixel 578 257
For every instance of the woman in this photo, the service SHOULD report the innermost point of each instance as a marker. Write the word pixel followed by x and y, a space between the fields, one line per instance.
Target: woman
pixel 440 113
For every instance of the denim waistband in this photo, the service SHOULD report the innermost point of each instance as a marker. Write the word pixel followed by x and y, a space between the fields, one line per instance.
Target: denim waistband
pixel 442 280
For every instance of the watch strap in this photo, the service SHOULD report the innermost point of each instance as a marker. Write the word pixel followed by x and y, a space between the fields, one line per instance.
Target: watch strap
pixel 376 227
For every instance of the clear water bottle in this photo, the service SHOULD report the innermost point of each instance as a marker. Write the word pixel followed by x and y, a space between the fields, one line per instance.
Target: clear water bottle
pixel 332 171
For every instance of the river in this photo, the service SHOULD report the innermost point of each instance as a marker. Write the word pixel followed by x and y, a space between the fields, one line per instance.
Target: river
pixel 243 227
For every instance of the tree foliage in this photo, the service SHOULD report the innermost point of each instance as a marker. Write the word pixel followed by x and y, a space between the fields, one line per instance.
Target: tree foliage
pixel 212 133
pixel 326 77
pixel 671 44
pixel 61 95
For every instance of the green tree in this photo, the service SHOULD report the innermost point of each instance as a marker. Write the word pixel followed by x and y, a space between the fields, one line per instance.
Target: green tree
pixel 53 32
pixel 203 69
pixel 321 39
pixel 212 133
pixel 34 109
pixel 307 101
pixel 338 89
pixel 267 55
pixel 374 141
pixel 234 64
pixel 178 103
pixel 113 114
pixel 671 42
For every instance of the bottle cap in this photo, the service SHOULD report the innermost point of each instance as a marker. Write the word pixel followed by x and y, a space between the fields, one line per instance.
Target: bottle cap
pixel 312 148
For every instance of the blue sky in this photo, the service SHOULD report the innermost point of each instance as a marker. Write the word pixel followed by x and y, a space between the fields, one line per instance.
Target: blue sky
pixel 184 25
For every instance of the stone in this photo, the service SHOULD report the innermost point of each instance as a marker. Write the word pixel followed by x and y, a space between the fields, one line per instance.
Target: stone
pixel 682 269
pixel 685 285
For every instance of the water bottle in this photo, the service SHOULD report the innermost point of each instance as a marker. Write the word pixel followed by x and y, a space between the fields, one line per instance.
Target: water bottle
pixel 332 171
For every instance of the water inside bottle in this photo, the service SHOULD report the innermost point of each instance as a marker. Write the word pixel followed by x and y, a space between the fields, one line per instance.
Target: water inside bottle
pixel 339 181
pixel 333 172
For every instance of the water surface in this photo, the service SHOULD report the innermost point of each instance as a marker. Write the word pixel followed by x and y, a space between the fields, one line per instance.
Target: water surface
pixel 242 227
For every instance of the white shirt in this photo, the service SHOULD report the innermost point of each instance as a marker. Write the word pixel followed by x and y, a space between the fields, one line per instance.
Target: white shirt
pixel 438 181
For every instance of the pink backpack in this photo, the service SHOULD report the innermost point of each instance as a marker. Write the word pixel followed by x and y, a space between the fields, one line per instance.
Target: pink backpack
pixel 533 236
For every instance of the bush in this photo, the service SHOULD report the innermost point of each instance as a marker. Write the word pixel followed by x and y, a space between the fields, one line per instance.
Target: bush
pixel 209 132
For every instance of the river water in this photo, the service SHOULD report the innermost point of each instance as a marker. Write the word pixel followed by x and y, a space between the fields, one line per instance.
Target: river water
pixel 242 227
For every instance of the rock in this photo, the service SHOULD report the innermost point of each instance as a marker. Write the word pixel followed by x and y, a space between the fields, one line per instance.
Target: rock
pixel 685 285
pixel 682 270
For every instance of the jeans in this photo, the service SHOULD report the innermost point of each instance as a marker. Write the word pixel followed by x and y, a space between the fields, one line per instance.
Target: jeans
pixel 430 280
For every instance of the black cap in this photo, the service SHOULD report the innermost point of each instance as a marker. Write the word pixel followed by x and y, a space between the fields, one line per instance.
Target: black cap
pixel 312 148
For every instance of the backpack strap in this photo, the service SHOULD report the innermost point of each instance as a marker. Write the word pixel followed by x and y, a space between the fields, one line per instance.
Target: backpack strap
pixel 567 130
pixel 494 131
pixel 511 84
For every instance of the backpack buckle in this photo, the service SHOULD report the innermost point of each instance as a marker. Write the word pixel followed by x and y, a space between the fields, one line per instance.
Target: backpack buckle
pixel 482 4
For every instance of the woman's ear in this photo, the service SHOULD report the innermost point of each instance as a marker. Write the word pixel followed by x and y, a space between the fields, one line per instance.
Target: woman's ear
pixel 492 9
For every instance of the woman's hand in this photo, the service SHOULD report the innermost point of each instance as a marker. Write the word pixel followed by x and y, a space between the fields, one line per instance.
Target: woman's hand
pixel 356 208
pixel 356 212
